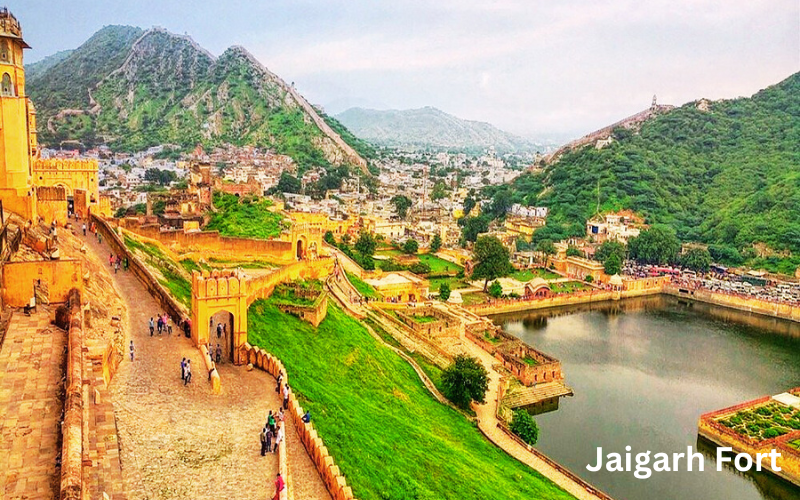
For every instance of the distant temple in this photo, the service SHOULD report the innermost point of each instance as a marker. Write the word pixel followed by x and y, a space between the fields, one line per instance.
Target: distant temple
pixel 32 187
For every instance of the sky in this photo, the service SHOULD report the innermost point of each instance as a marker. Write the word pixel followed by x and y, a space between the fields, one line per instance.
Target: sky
pixel 543 69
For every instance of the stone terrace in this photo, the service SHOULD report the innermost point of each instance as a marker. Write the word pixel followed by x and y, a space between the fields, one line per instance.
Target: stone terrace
pixel 31 402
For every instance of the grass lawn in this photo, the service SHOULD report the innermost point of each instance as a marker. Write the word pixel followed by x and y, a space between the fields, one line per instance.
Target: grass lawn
pixel 363 288
pixel 391 252
pixel 424 319
pixel 386 432
pixel 795 444
pixel 245 217
pixel 474 298
pixel 569 287
pixel 526 275
pixel 455 283
pixel 530 361
pixel 178 285
pixel 439 265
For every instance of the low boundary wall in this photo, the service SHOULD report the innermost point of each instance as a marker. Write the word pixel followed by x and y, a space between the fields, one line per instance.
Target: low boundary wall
pixel 72 427
pixel 749 304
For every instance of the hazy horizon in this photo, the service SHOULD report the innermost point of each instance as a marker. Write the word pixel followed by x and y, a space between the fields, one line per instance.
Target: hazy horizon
pixel 529 68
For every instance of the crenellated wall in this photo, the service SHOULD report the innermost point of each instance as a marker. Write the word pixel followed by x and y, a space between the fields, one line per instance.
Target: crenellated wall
pixel 334 481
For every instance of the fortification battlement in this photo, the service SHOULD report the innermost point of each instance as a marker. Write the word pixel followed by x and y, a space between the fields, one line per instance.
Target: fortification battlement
pixel 66 164
pixel 221 284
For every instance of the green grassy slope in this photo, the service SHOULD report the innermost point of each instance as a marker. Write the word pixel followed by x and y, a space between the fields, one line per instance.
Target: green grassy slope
pixel 388 435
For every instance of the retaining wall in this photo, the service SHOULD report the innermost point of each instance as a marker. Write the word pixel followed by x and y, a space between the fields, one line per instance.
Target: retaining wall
pixel 72 427
pixel 749 304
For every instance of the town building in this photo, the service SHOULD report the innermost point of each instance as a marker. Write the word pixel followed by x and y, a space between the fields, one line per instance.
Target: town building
pixel 615 226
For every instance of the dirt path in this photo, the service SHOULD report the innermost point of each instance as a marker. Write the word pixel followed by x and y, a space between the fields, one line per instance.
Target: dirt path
pixel 181 441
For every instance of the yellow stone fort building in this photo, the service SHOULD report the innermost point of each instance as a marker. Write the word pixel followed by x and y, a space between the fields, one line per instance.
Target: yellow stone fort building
pixel 30 186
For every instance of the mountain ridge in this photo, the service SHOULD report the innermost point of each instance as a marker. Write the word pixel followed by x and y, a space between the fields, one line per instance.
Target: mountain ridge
pixel 133 88
pixel 429 127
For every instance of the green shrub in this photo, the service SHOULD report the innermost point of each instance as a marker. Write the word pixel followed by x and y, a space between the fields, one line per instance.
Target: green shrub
pixel 524 426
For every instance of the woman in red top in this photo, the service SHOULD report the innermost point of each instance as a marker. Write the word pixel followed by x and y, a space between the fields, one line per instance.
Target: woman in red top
pixel 279 486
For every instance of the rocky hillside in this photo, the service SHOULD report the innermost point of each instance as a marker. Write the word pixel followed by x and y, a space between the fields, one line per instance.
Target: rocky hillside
pixel 132 89
pixel 429 128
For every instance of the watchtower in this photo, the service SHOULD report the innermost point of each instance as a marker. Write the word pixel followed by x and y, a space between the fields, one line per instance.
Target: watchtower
pixel 17 122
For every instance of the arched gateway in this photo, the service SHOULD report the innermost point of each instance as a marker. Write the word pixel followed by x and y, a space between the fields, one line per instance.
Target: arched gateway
pixel 212 295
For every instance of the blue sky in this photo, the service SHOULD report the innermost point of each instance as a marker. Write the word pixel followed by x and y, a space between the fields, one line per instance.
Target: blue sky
pixel 533 67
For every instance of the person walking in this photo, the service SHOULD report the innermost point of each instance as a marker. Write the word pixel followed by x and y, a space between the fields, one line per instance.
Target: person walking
pixel 152 326
pixel 278 438
pixel 269 436
pixel 271 421
pixel 168 321
pixel 219 330
pixel 84 229
pixel 131 350
pixel 286 397
pixel 219 353
pixel 188 378
pixel 279 486
pixel 264 442
pixel 160 323
pixel 183 369
pixel 278 386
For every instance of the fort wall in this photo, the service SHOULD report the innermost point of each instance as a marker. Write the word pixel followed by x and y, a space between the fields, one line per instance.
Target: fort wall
pixel 54 278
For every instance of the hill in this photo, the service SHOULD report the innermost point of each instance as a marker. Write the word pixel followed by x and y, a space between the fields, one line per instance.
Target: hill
pixel 429 128
pixel 726 173
pixel 133 89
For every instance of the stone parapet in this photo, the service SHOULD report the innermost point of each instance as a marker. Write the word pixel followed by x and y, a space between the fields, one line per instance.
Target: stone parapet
pixel 335 482
pixel 72 427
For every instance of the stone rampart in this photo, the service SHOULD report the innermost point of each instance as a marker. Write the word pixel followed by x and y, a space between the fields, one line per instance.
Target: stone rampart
pixel 314 313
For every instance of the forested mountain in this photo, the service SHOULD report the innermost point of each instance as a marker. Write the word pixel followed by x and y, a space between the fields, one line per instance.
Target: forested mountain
pixel 726 173
pixel 132 89
pixel 429 128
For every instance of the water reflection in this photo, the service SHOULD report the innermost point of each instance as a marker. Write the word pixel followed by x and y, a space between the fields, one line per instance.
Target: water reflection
pixel 643 371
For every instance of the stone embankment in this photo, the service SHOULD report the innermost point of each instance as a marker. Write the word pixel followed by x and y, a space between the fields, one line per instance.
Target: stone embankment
pixel 742 303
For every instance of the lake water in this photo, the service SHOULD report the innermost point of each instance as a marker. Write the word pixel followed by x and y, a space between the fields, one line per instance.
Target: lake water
pixel 643 371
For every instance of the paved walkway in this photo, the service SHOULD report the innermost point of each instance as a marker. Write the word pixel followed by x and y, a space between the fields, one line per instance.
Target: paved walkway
pixel 487 422
pixel 31 402
pixel 182 441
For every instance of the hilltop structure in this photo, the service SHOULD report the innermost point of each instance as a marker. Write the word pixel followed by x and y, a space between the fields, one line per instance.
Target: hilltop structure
pixel 30 186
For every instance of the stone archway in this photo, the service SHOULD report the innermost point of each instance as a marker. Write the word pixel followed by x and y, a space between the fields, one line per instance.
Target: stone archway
pixel 217 295
pixel 300 252
pixel 221 326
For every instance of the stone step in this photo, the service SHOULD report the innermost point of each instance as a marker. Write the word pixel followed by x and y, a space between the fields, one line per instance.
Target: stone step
pixel 529 395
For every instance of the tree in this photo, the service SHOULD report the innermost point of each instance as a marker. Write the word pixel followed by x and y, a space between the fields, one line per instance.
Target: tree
pixel 524 426
pixel 612 264
pixel 547 247
pixel 657 245
pixel 465 381
pixel 329 238
pixel 420 268
pixel 572 251
pixel 288 183
pixel 436 243
pixel 401 205
pixel 501 203
pixel 473 226
pixel 696 259
pixel 444 291
pixel 469 204
pixel 496 289
pixel 158 176
pixel 366 244
pixel 439 191
pixel 607 248
pixel 492 258
pixel 410 246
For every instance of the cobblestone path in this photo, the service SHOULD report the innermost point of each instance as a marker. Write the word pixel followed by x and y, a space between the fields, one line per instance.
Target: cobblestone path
pixel 183 441
pixel 31 393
